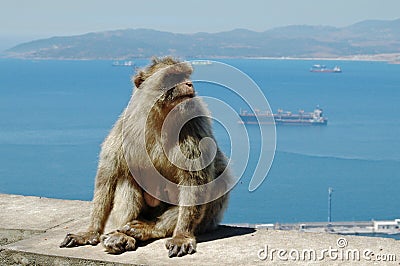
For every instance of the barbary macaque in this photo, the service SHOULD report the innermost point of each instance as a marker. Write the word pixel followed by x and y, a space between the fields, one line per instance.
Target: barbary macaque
pixel 139 149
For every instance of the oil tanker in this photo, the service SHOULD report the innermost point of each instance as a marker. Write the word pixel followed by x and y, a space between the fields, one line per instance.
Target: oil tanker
pixel 284 117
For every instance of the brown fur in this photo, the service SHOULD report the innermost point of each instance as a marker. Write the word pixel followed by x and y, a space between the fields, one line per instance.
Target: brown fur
pixel 141 216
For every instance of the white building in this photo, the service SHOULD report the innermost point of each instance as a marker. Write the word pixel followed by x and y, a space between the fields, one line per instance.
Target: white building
pixel 390 227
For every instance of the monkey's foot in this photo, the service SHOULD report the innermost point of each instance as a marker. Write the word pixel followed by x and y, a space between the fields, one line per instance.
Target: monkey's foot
pixel 142 230
pixel 117 242
pixel 80 239
pixel 181 245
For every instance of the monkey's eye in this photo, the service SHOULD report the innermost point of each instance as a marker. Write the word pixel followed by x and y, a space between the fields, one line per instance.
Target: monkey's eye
pixel 169 94
pixel 174 78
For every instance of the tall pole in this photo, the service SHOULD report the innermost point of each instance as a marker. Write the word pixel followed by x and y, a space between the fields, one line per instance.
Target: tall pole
pixel 330 190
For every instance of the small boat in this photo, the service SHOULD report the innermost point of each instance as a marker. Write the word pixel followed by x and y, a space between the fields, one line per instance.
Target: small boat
pixel 324 69
pixel 201 62
pixel 124 63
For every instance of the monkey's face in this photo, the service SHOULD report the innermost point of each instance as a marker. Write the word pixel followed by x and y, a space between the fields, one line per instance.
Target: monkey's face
pixel 164 85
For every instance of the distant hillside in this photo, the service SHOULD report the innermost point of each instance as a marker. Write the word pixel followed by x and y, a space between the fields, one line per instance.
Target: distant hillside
pixel 365 38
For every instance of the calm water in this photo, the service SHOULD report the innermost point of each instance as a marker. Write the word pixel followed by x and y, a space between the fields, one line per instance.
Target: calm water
pixel 55 114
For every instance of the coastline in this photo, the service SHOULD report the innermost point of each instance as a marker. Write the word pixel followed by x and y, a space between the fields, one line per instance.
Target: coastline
pixel 391 58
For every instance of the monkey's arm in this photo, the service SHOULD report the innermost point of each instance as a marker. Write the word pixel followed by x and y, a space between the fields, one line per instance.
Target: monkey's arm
pixel 102 205
pixel 183 240
pixel 189 217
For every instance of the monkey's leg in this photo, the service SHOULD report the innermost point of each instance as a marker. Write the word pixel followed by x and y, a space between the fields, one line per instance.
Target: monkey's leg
pixel 102 204
pixel 145 230
pixel 183 241
pixel 124 239
pixel 117 242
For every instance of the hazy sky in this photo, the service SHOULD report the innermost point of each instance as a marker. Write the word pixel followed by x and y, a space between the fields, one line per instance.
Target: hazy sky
pixel 45 18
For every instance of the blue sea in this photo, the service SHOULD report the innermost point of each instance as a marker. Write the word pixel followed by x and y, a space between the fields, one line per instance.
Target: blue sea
pixel 55 114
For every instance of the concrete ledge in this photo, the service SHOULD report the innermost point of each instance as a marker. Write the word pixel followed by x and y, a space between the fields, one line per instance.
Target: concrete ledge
pixel 31 228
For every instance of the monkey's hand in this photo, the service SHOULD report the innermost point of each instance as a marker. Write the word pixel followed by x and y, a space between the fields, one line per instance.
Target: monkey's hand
pixel 117 242
pixel 80 239
pixel 181 245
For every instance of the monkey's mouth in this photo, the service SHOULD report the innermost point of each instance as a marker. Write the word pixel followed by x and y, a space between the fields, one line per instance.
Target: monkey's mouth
pixel 185 96
pixel 179 94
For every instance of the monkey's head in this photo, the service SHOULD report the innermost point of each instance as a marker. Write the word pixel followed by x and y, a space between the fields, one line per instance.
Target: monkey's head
pixel 166 79
pixel 164 90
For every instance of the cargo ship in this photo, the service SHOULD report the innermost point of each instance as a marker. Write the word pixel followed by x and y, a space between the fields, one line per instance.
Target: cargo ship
pixel 324 69
pixel 284 117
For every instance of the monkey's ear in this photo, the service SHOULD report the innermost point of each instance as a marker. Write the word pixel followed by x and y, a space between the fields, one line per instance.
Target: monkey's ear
pixel 138 79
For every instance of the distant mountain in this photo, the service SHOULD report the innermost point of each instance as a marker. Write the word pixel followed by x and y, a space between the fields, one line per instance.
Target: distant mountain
pixel 365 38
